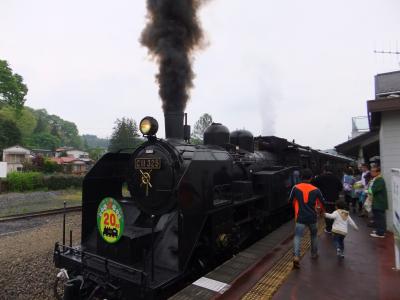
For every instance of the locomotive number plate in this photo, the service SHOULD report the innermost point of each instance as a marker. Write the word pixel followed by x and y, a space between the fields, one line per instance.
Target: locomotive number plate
pixel 148 163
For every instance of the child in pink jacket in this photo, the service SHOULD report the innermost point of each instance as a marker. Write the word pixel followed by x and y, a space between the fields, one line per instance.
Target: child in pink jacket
pixel 341 219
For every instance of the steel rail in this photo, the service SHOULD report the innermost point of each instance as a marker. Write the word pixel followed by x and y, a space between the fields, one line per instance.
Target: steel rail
pixel 40 214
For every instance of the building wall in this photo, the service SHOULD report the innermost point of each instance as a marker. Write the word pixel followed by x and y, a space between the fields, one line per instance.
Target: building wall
pixel 390 153
pixel 77 153
pixel 13 167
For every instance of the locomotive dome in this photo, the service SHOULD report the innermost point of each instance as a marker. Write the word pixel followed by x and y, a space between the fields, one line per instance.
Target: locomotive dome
pixel 243 139
pixel 216 134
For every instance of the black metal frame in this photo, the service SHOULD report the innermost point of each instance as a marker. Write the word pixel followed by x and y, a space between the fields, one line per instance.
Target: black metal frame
pixel 79 257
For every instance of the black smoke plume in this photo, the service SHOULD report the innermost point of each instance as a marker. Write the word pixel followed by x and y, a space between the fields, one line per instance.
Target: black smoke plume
pixel 172 33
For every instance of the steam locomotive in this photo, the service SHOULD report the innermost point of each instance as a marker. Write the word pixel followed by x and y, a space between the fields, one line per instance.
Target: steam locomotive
pixel 165 214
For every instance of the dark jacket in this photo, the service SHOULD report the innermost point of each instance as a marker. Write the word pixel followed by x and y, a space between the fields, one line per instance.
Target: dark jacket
pixel 330 187
pixel 379 193
pixel 305 199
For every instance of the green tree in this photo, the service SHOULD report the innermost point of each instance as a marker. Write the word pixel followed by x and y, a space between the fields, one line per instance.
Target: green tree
pixel 12 88
pixel 9 134
pixel 199 127
pixel 66 131
pixel 125 135
pixel 41 126
pixel 44 140
pixel 96 153
pixel 94 142
pixel 25 120
pixel 51 166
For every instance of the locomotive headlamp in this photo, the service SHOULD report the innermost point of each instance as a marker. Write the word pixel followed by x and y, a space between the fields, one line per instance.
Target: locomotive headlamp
pixel 148 126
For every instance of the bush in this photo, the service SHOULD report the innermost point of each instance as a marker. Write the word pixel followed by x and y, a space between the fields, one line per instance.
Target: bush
pixel 51 166
pixel 28 181
pixel 42 164
pixel 24 181
pixel 59 181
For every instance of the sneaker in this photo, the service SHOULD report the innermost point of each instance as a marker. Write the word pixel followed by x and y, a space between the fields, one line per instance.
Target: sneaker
pixel 342 255
pixel 377 235
pixel 327 231
pixel 296 263
pixel 338 252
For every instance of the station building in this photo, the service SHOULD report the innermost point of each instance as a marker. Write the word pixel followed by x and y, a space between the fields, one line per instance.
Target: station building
pixel 381 143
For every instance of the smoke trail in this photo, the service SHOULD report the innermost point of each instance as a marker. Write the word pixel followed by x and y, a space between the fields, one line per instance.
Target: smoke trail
pixel 172 33
pixel 268 94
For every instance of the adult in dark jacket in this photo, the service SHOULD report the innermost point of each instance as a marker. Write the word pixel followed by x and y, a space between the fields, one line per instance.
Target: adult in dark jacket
pixel 306 200
pixel 330 187
pixel 378 192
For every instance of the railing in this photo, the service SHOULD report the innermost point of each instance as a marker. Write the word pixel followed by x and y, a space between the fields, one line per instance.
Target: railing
pixel 59 250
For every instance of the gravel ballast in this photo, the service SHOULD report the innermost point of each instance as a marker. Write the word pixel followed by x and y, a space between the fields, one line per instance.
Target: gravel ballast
pixel 26 257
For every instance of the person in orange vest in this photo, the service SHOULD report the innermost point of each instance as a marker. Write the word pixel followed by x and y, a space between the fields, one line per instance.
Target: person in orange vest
pixel 307 200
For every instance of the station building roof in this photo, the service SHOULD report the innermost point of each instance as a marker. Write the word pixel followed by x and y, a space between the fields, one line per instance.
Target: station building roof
pixel 376 107
pixel 368 141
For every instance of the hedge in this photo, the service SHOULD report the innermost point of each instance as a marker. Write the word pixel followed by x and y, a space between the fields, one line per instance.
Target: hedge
pixel 24 181
pixel 59 181
pixel 28 181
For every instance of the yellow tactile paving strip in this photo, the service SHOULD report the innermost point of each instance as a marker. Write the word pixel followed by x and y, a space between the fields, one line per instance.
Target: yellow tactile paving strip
pixel 269 284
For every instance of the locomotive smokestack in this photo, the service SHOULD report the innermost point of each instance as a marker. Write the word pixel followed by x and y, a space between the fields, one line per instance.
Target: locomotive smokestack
pixel 173 125
pixel 172 34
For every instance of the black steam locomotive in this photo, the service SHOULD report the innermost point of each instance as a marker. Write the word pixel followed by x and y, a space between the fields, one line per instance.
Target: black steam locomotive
pixel 154 219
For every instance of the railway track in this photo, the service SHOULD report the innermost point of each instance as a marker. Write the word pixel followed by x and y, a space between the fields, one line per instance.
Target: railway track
pixel 40 213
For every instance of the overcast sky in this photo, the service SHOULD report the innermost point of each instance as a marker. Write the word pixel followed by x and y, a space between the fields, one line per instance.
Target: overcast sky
pixel 296 69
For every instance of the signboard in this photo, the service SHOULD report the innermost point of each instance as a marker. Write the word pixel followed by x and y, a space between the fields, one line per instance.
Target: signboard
pixel 3 169
pixel 396 214
pixel 110 220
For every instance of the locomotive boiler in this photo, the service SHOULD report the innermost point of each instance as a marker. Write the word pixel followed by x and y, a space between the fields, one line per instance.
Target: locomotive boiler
pixel 168 212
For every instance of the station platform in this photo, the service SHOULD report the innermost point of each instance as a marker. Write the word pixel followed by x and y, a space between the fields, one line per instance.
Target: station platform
pixel 366 272
pixel 265 270
pixel 236 276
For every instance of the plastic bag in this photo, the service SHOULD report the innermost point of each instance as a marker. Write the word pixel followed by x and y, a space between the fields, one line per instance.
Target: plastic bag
pixel 368 203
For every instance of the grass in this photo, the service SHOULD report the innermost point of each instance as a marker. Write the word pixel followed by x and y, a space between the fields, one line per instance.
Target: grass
pixel 51 200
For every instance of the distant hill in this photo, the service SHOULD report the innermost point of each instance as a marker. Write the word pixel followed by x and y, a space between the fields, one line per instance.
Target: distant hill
pixel 36 128
pixel 92 141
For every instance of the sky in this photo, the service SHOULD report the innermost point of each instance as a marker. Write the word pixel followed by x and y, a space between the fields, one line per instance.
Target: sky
pixel 295 69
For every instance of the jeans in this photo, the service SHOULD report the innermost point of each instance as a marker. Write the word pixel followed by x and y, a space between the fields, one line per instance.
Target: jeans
pixel 298 234
pixel 379 221
pixel 339 241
